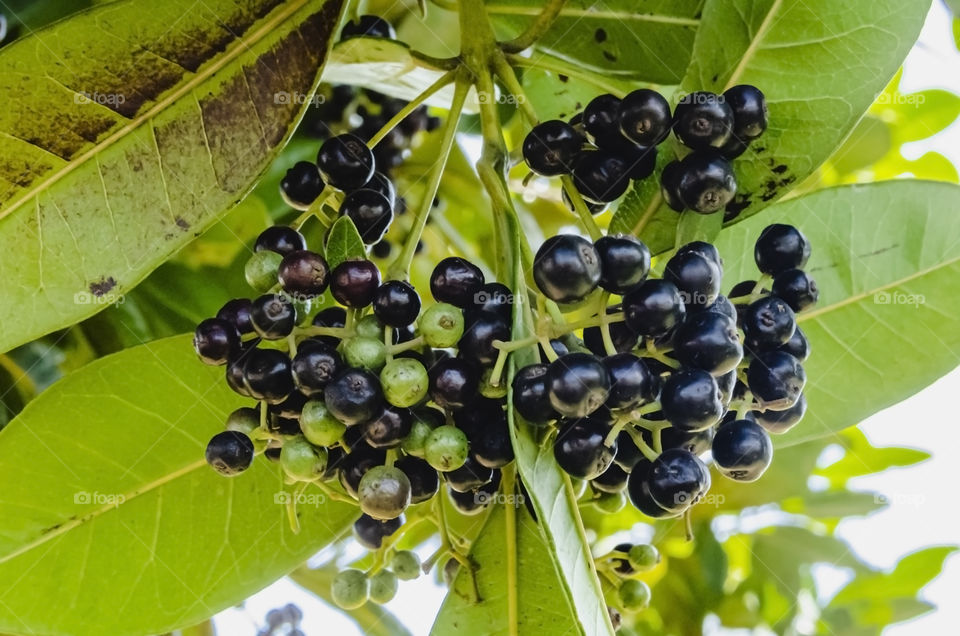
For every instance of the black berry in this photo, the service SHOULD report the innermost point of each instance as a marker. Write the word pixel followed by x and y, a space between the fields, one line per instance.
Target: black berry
pixel 314 366
pixel 578 384
pixel 302 184
pixel 267 375
pixel 396 303
pixel 677 479
pixel 631 381
pixel 215 340
pixel 708 340
pixel 749 108
pixel 230 453
pixel 237 313
pixel 706 181
pixel 742 450
pixel 781 247
pixel 354 283
pixel 453 383
pixel 456 281
pixel 767 323
pixel 776 378
pixel 580 449
pixel 653 308
pixel 354 397
pixel 797 288
pixel 345 162
pixel 531 395
pixel 691 400
pixel 370 211
pixel 601 176
pixel 551 148
pixel 280 239
pixel 567 268
pixel 703 120
pixel 624 262
pixel 600 120
pixel 645 117
pixel 697 277
pixel 273 316
pixel 303 272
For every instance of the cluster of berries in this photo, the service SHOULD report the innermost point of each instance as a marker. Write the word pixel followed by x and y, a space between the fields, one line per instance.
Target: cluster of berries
pixel 614 141
pixel 283 621
pixel 620 567
pixel 678 369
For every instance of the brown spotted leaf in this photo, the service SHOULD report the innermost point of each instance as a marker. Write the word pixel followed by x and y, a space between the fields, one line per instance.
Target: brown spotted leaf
pixel 123 138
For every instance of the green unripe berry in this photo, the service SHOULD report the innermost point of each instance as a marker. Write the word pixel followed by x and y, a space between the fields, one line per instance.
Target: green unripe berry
pixel 488 390
pixel 247 421
pixel 634 594
pixel 350 589
pixel 404 382
pixel 319 425
pixel 406 565
pixel 261 270
pixel 301 460
pixel 643 557
pixel 383 586
pixel 369 327
pixel 610 502
pixel 416 441
pixel 446 448
pixel 441 325
pixel 365 353
pixel 384 492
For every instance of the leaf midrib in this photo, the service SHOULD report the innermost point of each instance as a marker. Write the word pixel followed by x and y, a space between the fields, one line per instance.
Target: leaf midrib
pixel 242 45
pixel 623 16
pixel 127 497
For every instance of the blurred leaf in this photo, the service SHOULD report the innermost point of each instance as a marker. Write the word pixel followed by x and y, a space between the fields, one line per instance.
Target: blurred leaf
pixel 923 114
pixel 886 257
pixel 931 165
pixel 863 458
pixel 867 144
pixel 344 243
pixel 26 16
pixel 125 488
pixel 834 504
pixel 698 227
pixel 645 39
pixel 371 619
pixel 910 575
pixel 814 101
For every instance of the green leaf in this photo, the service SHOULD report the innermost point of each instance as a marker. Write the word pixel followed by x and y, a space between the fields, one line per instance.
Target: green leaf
pixel 886 257
pixel 643 39
pixel 867 144
pixel 344 243
pixel 912 573
pixel 111 515
pixel 809 58
pixel 863 458
pixel 558 89
pixel 924 114
pixel 698 227
pixel 112 166
pixel 371 619
pixel 519 597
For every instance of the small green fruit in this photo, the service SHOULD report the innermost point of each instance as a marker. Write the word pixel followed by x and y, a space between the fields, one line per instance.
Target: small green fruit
pixel 350 589
pixel 369 327
pixel 441 325
pixel 384 492
pixel 643 557
pixel 446 448
pixel 261 270
pixel 301 460
pixel 406 565
pixel 634 594
pixel 319 425
pixel 383 586
pixel 365 353
pixel 404 382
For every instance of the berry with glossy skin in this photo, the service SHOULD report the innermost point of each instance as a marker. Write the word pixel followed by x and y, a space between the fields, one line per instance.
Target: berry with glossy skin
pixel 303 272
pixel 567 268
pixel 696 442
pixel 267 375
pixel 237 313
pixel 301 185
pixel 476 344
pixel 641 160
pixel 767 323
pixel 354 396
pixel 552 147
pixel 749 108
pixel 229 453
pixel 797 288
pixel 330 317
pixel 708 340
pixel 354 283
pixel 469 476
pixel 707 250
pixel 396 303
pixel 442 325
pixel 425 419
pixel 779 422
pixel 370 211
pixel 280 239
pixel 314 366
pixel 384 492
pixel 578 384
pixel 371 26
pixel 355 465
pixel 697 277
pixel 383 586
pixel 677 480
pixel 381 183
pixel 612 480
pixel 531 396
pixel 491 446
pixel 301 460
pixel 215 341
pixel 653 308
pixel 273 316
pixel 494 297
pixel 742 450
pixel 703 120
pixel 781 247
pixel 345 162
pixel 350 589
pixel 645 117
pixel 424 480
pixel 634 594
pixel 365 353
pixel 370 532
pixel 446 448
pixel 628 455
pixel 319 425
pixel 601 176
pixel 631 381
pixel 797 345
pixel 453 383
pixel 691 400
pixel 600 120
pixel 580 448
pixel 406 565
pixel 456 281
pixel 261 269
pixel 404 382
pixel 643 557
pixel 722 305
pixel 624 262
pixel 734 147
pixel 777 378
pixel 638 489
pixel 670 186
pixel 389 428
pixel 707 182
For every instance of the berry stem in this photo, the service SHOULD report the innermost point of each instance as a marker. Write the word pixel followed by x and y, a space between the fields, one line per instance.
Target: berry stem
pixel 580 207
pixel 657 434
pixel 315 209
pixel 400 269
pixel 536 29
pixel 394 349
pixel 763 280
pixel 660 356
pixel 388 342
pixel 547 348
pixel 292 345
pixel 512 345
pixel 605 324
pixel 648 452
pixel 501 362
pixel 614 432
pixel 411 106
pixel 509 482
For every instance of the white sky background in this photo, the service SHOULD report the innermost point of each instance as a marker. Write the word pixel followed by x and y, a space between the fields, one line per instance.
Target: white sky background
pixel 923 497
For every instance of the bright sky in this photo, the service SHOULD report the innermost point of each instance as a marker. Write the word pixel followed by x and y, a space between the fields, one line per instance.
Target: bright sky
pixel 922 511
